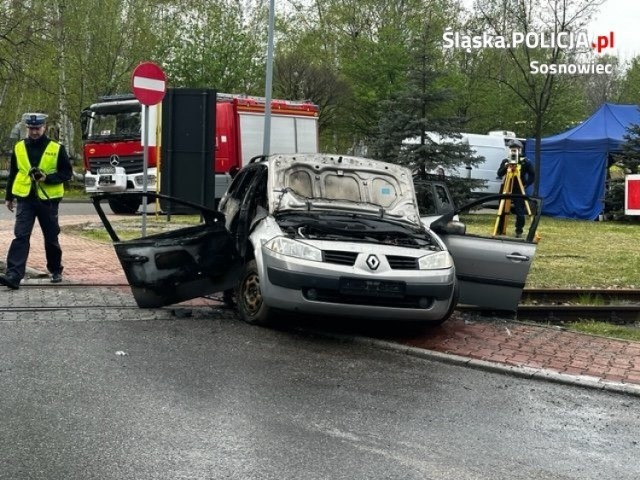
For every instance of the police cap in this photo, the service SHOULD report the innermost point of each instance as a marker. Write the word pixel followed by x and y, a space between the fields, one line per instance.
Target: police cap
pixel 34 119
pixel 515 144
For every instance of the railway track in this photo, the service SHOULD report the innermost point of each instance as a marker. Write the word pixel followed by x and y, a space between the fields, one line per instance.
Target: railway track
pixel 591 296
pixel 621 306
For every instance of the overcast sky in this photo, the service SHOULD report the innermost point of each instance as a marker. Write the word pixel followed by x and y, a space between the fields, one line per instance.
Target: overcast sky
pixel 623 18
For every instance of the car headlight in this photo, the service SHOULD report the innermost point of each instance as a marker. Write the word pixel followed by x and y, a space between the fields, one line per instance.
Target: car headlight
pixel 293 248
pixel 436 261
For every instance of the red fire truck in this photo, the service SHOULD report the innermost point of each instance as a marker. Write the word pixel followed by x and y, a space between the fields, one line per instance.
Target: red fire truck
pixel 113 150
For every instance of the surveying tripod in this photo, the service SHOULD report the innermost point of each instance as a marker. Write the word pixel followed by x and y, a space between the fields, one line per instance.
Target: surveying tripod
pixel 511 179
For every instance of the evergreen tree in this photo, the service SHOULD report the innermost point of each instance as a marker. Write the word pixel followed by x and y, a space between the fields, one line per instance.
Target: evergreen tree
pixel 629 161
pixel 630 156
pixel 412 132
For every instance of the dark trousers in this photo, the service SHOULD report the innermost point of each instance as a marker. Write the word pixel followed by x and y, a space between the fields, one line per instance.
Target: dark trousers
pixel 27 211
pixel 519 210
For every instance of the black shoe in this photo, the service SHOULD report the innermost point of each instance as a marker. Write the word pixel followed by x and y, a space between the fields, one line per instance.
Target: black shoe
pixel 12 283
pixel 56 278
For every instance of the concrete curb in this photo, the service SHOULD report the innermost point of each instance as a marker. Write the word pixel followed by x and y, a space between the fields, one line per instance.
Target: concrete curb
pixel 517 371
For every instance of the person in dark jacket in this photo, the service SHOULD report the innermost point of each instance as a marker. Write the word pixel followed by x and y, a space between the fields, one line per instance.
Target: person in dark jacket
pixel 39 168
pixel 526 173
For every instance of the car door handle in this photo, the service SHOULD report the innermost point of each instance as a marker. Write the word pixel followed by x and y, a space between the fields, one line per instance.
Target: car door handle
pixel 518 257
pixel 134 258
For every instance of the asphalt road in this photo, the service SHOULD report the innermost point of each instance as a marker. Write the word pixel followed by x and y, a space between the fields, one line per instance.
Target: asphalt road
pixel 92 393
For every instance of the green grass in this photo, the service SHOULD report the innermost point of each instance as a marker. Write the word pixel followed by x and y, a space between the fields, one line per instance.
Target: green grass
pixel 603 329
pixel 75 191
pixel 578 253
pixel 130 228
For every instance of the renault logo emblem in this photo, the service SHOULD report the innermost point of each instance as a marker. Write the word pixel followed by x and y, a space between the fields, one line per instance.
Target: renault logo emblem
pixel 373 262
pixel 114 160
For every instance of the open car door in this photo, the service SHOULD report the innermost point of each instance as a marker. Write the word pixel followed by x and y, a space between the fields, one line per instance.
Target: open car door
pixel 491 270
pixel 176 265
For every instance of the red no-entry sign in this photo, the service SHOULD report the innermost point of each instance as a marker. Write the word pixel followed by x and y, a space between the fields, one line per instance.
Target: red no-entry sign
pixel 148 83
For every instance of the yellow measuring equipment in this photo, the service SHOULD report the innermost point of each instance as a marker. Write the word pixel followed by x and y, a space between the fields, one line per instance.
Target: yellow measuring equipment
pixel 512 179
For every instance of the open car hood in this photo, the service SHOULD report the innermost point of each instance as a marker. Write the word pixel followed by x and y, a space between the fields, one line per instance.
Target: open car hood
pixel 321 182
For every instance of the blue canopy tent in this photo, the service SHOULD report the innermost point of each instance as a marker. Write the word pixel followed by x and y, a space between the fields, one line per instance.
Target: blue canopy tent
pixel 573 164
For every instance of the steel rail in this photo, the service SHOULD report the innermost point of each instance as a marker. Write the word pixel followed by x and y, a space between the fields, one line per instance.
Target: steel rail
pixel 621 314
pixel 538 304
pixel 632 293
pixel 596 296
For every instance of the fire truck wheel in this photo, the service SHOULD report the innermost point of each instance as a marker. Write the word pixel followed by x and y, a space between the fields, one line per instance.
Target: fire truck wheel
pixel 125 206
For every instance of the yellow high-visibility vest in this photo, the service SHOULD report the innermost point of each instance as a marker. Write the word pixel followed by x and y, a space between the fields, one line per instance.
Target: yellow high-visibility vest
pixel 616 172
pixel 48 164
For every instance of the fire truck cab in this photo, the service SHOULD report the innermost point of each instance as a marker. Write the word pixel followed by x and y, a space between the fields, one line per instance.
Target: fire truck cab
pixel 113 150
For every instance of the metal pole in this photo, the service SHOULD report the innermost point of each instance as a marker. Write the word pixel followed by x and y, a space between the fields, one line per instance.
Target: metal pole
pixel 266 146
pixel 145 163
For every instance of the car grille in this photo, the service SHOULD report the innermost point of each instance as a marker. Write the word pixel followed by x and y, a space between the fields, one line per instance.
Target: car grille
pixel 131 163
pixel 402 263
pixel 334 296
pixel 339 257
pixel 349 258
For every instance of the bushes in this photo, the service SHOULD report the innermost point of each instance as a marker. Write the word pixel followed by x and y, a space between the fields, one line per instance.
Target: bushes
pixel 614 202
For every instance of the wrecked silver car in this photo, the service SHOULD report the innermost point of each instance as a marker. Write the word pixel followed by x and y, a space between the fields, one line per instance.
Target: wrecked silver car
pixel 325 235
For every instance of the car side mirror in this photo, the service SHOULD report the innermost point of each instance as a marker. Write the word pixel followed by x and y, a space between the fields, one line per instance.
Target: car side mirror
pixel 452 227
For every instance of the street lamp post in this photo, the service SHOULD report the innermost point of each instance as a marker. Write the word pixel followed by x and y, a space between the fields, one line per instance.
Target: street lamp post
pixel 266 145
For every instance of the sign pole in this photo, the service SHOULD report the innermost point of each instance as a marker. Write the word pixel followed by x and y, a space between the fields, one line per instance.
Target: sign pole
pixel 266 141
pixel 148 83
pixel 145 165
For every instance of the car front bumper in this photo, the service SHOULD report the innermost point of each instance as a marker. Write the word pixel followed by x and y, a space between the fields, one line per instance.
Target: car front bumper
pixel 327 289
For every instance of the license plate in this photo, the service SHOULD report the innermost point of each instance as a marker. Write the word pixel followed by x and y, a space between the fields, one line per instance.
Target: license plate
pixel 106 180
pixel 107 170
pixel 382 288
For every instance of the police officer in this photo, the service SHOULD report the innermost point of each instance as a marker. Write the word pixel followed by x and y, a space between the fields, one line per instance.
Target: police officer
pixel 39 167
pixel 527 175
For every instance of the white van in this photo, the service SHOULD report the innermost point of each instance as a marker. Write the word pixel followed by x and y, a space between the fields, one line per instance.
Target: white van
pixel 494 150
pixel 491 147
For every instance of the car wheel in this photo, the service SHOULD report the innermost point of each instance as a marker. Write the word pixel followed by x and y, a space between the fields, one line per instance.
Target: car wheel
pixel 125 206
pixel 251 305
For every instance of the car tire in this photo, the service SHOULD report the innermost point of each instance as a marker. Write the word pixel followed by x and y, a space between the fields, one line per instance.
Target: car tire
pixel 251 306
pixel 125 206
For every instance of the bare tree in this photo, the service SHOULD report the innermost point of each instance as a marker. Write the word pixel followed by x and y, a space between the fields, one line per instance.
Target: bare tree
pixel 537 19
pixel 599 89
